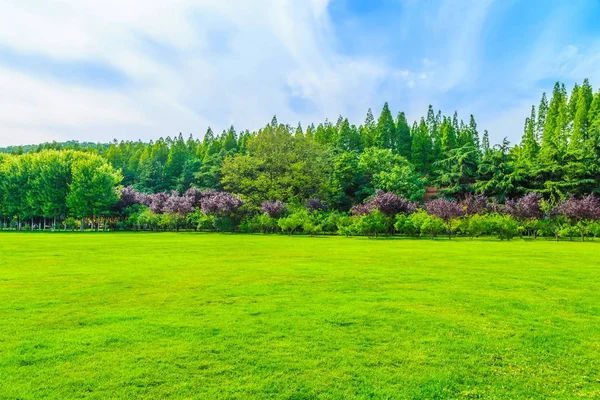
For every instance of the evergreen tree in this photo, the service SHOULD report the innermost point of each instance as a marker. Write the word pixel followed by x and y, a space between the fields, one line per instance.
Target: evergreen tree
pixel 541 119
pixel 529 146
pixel 368 130
pixel 448 139
pixel 485 143
pixel 178 155
pixel 348 139
pixel 403 139
pixel 580 124
pixel 230 140
pixel 553 127
pixel 474 133
pixel 573 99
pixel 421 148
pixel 386 129
pixel 299 134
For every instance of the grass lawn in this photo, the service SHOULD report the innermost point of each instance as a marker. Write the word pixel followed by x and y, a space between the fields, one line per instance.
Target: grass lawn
pixel 134 315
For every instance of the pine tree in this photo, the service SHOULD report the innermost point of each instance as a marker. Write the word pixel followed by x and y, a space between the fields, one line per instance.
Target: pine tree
pixel 403 139
pixel 338 123
pixel 529 146
pixel 474 133
pixel 310 131
pixel 448 138
pixel 386 129
pixel 485 142
pixel 553 126
pixel 455 124
pixel 368 130
pixel 421 147
pixel 348 137
pixel 299 134
pixel 594 110
pixel 580 124
pixel 573 99
pixel 563 127
pixel 433 128
pixel 541 118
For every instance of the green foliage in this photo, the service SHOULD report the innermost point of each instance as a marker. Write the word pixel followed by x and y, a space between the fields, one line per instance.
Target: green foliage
pixel 294 221
pixel 503 226
pixel 92 190
pixel 384 170
pixel 341 164
pixel 372 224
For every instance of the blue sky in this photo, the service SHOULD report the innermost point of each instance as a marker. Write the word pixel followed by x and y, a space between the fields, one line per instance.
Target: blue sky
pixel 142 69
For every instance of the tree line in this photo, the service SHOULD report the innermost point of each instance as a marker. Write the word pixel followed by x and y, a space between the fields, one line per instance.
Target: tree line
pixel 340 165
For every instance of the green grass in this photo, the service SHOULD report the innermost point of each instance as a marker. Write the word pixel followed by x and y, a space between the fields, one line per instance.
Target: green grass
pixel 213 316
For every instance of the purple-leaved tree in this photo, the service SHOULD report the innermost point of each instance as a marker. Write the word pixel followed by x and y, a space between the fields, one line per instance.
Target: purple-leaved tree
pixel 580 212
pixel 315 204
pixel 474 204
pixel 446 210
pixel 273 208
pixel 221 204
pixel 388 203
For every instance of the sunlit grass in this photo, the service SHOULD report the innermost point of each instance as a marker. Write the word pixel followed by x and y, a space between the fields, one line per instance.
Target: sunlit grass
pixel 212 316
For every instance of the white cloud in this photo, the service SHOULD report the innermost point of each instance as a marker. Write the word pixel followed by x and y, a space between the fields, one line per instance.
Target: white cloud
pixel 227 63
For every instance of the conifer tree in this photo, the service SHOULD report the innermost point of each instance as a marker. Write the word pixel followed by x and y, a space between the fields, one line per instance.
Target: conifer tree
pixel 368 130
pixel 421 147
pixel 529 146
pixel 403 139
pixel 474 133
pixel 230 140
pixel 485 142
pixel 386 129
pixel 580 124
pixel 553 126
pixel 541 118
pixel 348 138
pixel 299 134
pixel 448 138
pixel 573 102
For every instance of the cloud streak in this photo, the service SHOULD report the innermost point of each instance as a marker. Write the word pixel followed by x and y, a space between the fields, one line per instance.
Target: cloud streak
pixel 92 70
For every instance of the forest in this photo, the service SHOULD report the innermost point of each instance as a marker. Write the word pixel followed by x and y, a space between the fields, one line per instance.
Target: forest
pixel 439 175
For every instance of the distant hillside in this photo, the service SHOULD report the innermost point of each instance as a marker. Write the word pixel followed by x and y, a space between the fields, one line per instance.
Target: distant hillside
pixel 69 145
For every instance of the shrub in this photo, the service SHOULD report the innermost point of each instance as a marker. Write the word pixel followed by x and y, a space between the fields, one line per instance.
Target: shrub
pixel 223 224
pixel 371 224
pixel 504 226
pixel 477 225
pixel 344 226
pixel 594 229
pixel 310 228
pixel 293 222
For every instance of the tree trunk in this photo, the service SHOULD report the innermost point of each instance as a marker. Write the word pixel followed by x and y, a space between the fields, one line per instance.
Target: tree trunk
pixel 81 225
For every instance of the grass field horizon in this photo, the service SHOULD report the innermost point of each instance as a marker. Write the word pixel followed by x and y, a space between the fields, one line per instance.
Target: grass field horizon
pixel 201 315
